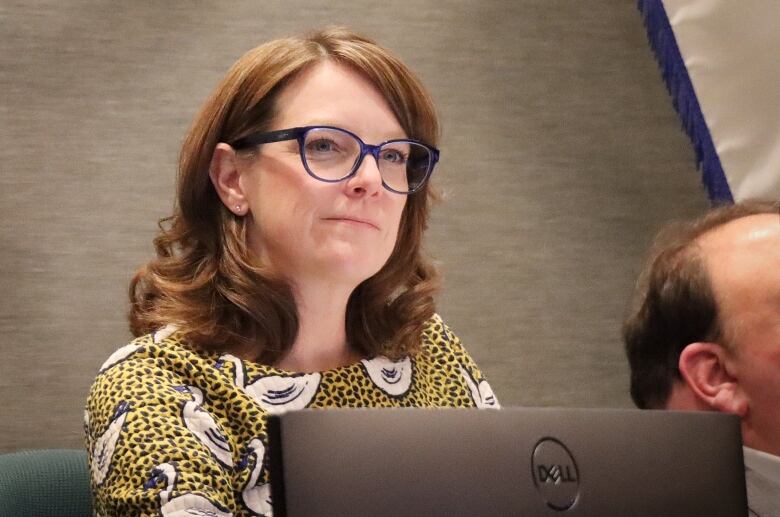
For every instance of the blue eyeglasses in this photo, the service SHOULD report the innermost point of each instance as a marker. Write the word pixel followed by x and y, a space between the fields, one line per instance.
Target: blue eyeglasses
pixel 333 154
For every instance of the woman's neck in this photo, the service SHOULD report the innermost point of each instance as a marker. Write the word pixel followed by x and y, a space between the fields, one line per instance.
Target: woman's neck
pixel 321 342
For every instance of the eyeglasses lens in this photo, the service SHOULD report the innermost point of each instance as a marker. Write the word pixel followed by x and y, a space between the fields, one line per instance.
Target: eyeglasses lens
pixel 331 154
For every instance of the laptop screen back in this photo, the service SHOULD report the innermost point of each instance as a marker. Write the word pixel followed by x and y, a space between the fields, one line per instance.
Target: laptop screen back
pixel 516 461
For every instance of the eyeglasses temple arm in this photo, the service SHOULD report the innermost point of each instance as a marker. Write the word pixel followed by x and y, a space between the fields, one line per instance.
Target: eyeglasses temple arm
pixel 267 138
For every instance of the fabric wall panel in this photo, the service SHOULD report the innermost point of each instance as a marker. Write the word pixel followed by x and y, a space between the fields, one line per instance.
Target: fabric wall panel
pixel 560 156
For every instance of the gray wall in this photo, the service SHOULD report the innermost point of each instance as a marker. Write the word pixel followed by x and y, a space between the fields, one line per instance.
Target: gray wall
pixel 561 156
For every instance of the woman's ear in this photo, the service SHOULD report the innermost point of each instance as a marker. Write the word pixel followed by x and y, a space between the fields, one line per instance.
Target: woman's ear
pixel 705 369
pixel 225 174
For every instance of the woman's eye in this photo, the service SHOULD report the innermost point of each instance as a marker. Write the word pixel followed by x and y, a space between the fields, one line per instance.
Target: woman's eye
pixel 322 146
pixel 394 156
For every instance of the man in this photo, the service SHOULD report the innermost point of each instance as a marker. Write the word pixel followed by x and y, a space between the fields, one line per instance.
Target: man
pixel 704 333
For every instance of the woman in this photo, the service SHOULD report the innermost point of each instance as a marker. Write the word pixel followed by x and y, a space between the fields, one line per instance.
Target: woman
pixel 289 276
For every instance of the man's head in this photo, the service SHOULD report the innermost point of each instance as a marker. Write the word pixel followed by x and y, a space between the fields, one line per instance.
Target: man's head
pixel 704 332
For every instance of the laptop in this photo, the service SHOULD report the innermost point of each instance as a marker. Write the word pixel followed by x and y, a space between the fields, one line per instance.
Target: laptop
pixel 513 461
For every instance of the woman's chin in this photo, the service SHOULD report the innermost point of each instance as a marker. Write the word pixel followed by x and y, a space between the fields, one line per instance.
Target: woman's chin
pixel 349 266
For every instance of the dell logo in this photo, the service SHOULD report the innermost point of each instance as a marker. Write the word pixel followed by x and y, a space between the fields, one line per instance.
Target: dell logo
pixel 555 474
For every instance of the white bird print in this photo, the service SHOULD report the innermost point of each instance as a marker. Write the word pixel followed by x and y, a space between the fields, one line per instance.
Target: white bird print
pixel 126 351
pixel 202 424
pixel 183 505
pixel 103 451
pixel 159 335
pixel 239 370
pixel 392 377
pixel 482 393
pixel 276 393
pixel 257 497
pixel 120 355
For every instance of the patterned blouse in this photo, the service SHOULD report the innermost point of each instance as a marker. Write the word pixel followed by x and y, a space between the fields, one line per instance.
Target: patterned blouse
pixel 172 430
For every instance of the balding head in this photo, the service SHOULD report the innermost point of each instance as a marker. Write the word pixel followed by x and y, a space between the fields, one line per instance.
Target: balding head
pixel 742 259
pixel 707 314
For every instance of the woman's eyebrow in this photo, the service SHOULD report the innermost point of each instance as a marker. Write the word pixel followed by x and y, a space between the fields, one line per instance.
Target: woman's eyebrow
pixel 390 135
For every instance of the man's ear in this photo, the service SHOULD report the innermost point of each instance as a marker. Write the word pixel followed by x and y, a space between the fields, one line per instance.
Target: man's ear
pixel 705 369
pixel 225 175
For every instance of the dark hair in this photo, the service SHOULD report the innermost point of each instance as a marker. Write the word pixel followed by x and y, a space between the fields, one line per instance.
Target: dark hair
pixel 204 279
pixel 674 304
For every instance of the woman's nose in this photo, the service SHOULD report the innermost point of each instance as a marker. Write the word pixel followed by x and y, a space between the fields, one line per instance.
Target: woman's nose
pixel 367 179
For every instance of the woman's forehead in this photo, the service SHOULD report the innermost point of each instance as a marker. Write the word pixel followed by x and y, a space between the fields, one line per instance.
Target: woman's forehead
pixel 329 93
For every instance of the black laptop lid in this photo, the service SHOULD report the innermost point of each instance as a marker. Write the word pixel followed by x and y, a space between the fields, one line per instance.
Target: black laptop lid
pixel 514 461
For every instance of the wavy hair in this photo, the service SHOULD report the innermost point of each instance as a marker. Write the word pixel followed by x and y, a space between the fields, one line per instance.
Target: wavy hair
pixel 204 279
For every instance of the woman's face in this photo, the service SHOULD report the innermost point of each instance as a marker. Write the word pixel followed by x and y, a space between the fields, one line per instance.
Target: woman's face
pixel 310 230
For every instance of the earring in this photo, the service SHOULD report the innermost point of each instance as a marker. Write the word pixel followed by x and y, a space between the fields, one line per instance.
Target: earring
pixel 239 210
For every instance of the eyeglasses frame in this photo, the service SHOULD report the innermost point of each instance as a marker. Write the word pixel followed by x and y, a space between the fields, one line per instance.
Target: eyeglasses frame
pixel 299 134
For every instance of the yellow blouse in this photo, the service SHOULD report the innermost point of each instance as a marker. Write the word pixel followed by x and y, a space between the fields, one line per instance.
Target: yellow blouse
pixel 173 429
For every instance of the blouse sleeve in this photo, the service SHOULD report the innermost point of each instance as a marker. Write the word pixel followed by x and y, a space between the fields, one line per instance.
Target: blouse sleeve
pixel 153 449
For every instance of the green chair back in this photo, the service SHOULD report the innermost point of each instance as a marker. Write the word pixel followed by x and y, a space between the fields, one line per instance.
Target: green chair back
pixel 45 483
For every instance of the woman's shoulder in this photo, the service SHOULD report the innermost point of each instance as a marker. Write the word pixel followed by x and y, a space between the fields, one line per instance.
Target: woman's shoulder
pixel 155 369
pixel 162 412
pixel 162 349
pixel 441 343
pixel 443 354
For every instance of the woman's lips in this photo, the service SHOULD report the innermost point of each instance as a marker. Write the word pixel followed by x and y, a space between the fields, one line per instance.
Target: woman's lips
pixel 353 221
